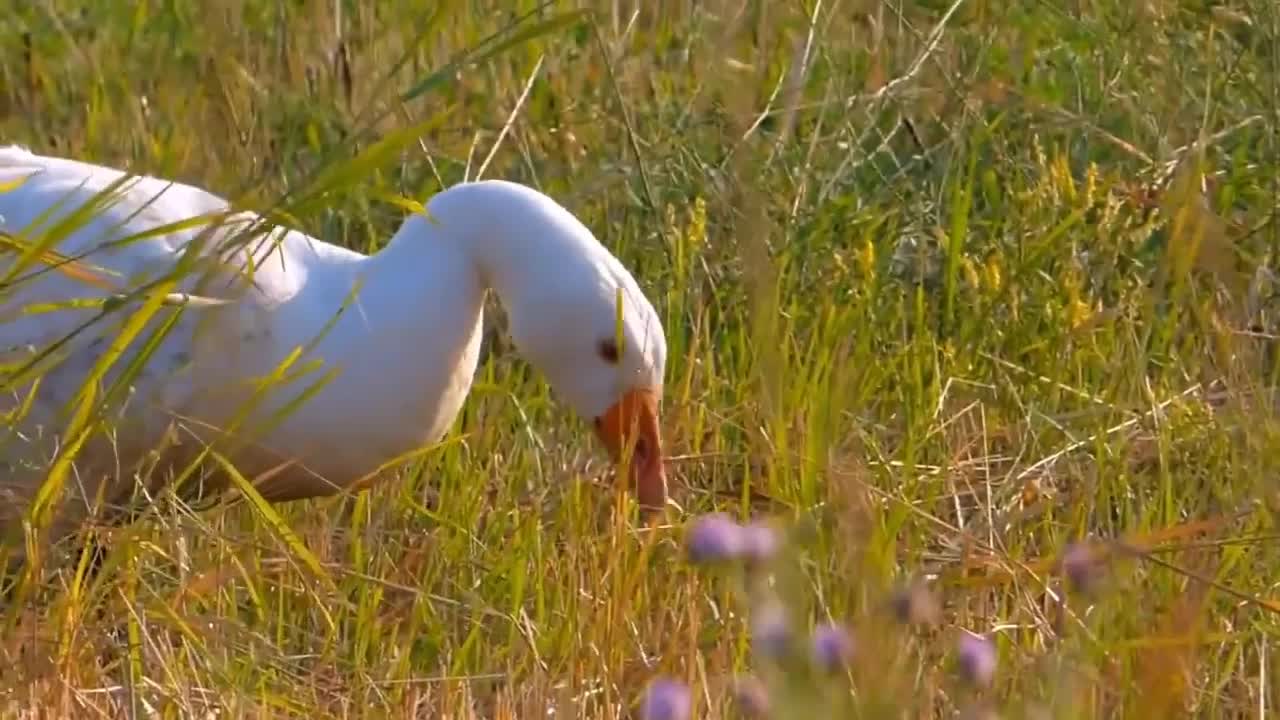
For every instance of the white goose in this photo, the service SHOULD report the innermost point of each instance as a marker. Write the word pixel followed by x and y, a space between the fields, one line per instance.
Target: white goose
pixel 405 348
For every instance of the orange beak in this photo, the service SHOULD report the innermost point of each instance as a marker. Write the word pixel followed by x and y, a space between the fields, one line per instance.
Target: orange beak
pixel 632 423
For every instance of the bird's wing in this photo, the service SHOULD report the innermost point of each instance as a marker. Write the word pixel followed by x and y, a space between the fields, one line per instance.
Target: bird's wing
pixel 125 234
pixel 73 231
pixel 74 234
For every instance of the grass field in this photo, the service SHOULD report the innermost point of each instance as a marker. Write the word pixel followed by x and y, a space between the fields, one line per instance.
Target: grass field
pixel 949 288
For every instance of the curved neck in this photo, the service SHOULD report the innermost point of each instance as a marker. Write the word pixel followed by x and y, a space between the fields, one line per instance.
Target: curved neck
pixel 421 302
pixel 512 237
pixel 408 344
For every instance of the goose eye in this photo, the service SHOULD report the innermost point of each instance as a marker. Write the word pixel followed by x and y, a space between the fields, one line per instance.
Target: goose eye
pixel 608 350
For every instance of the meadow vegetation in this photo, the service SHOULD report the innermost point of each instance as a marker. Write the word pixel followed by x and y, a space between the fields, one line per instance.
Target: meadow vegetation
pixel 972 299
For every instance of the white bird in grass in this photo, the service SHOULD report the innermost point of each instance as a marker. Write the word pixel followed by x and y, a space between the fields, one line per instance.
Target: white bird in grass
pixel 401 328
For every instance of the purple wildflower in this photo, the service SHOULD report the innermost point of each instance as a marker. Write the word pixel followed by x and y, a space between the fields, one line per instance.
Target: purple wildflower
pixel 715 538
pixel 832 646
pixel 666 699
pixel 770 631
pixel 751 697
pixel 977 658
pixel 1080 567
pixel 760 541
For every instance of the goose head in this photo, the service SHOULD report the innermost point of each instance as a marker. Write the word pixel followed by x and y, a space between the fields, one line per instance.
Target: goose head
pixel 576 313
pixel 600 344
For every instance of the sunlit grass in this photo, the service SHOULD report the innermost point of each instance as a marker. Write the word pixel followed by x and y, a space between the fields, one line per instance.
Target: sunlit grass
pixel 947 288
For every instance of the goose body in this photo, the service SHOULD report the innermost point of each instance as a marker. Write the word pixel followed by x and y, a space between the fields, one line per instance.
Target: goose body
pixel 398 331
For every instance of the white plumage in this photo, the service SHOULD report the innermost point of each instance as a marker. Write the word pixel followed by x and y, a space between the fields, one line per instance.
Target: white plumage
pixel 404 350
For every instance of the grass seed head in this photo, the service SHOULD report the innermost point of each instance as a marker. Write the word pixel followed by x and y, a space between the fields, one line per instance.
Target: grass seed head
pixel 914 604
